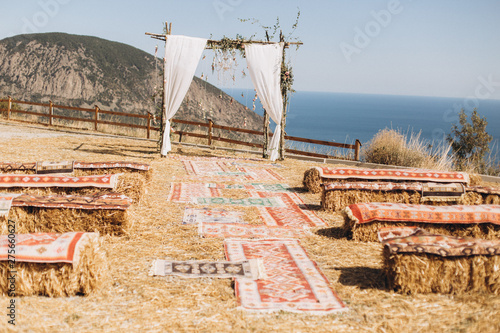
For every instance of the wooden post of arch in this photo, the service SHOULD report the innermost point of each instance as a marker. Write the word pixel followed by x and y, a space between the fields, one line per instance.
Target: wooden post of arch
pixel 168 28
pixel 266 126
pixel 285 102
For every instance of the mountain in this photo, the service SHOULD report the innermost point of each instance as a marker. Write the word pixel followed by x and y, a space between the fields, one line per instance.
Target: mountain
pixel 84 70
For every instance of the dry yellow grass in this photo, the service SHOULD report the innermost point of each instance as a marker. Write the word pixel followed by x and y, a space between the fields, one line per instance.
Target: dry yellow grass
pixel 136 302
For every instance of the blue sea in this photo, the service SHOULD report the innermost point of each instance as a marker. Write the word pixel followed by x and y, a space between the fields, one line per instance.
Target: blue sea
pixel 343 118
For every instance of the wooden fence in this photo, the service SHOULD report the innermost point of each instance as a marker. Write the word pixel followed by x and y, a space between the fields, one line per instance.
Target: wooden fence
pixel 209 136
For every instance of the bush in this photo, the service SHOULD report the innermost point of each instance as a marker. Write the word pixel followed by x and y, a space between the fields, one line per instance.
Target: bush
pixel 392 147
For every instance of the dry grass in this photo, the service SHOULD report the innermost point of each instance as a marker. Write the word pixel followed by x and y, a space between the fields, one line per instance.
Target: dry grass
pixel 136 302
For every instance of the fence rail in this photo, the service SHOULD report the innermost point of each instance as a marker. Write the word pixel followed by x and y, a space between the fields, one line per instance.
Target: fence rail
pixel 209 136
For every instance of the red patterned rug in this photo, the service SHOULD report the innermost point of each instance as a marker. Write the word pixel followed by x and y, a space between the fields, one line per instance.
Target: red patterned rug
pixel 292 281
pixel 186 192
pixel 416 240
pixel 201 215
pixel 234 230
pixel 47 247
pixel 394 174
pixel 17 180
pixel 294 214
pixel 97 201
pixel 395 212
pixel 112 165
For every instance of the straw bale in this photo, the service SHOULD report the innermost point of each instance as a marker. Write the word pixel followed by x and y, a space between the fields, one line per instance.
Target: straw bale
pixel 422 273
pixel 312 180
pixel 492 199
pixel 40 219
pixel 367 232
pixel 89 275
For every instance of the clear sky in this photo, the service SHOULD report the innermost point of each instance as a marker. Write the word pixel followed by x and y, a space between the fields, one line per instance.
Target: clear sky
pixel 448 48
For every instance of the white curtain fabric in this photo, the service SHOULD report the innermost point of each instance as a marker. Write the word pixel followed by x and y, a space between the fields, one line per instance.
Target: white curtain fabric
pixel 264 65
pixel 182 55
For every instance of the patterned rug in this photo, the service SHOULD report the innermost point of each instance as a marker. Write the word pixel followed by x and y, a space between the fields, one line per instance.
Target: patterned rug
pixel 17 180
pixel 248 269
pixel 394 174
pixel 47 247
pixel 97 201
pixel 54 167
pixel 292 215
pixel 247 202
pixel 292 282
pixel 206 168
pixel 233 230
pixel 442 192
pixel 394 212
pixel 252 186
pixel 187 192
pixel 260 174
pixel 17 166
pixel 255 165
pixel 207 215
pixel 417 240
pixel 6 202
pixel 112 165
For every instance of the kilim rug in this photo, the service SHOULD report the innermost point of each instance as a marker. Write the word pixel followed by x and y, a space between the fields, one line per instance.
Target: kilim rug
pixel 261 174
pixel 292 282
pixel 248 269
pixel 112 165
pixel 252 186
pixel 6 202
pixel 421 241
pixel 226 230
pixel 98 201
pixel 394 212
pixel 54 167
pixel 292 215
pixel 46 247
pixel 15 166
pixel 255 165
pixel 247 202
pixel 394 174
pixel 206 168
pixel 442 192
pixel 187 192
pixel 197 215
pixel 16 180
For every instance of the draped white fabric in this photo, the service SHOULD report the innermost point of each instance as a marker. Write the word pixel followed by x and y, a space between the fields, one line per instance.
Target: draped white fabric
pixel 264 65
pixel 182 55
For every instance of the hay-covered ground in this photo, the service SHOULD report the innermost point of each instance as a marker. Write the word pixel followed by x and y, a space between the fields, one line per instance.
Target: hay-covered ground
pixel 137 302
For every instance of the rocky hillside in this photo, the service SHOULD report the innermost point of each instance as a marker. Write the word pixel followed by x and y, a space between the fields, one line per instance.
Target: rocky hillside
pixel 83 71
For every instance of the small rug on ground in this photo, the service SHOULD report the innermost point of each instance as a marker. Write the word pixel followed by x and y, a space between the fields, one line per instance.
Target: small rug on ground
pixel 247 202
pixel 225 230
pixel 199 215
pixel 248 269
pixel 292 282
pixel 252 186
pixel 186 192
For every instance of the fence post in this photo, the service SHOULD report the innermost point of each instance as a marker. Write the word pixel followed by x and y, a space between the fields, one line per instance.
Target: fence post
pixel 9 106
pixel 210 124
pixel 96 119
pixel 266 135
pixel 51 112
pixel 149 125
pixel 357 145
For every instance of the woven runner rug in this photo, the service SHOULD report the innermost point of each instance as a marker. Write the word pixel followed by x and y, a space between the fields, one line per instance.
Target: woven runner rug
pixel 54 167
pixel 17 166
pixel 187 192
pixel 206 168
pixel 420 241
pixel 112 165
pixel 248 269
pixel 207 215
pixel 292 282
pixel 255 165
pixel 394 174
pixel 442 192
pixel 252 186
pixel 47 247
pixel 233 230
pixel 260 174
pixel 98 201
pixel 394 212
pixel 247 202
pixel 6 202
pixel 292 215
pixel 16 180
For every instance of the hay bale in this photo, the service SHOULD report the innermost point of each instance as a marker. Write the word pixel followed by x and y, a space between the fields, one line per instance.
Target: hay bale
pixel 113 222
pixel 86 276
pixel 337 200
pixel 312 180
pixel 367 232
pixel 146 174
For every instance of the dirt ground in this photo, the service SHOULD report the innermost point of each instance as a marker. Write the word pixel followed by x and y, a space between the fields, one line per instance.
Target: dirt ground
pixel 137 302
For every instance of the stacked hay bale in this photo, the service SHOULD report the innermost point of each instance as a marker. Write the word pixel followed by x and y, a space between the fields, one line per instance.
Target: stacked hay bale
pixel 53 265
pixel 417 261
pixel 362 221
